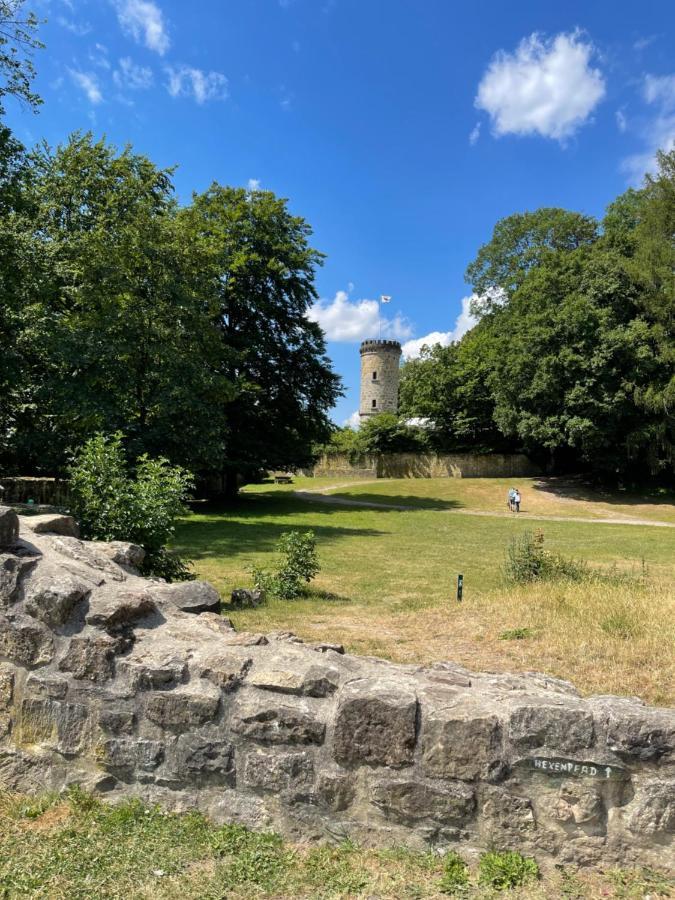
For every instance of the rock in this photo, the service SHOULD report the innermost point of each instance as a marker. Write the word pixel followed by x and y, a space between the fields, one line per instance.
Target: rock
pixel 91 658
pixel 580 803
pixel 114 606
pixel 44 685
pixel 277 724
pixel 191 596
pixel 153 669
pixel 315 681
pixel 636 733
pixel 460 741
pixel 244 639
pixel 129 556
pixel 6 686
pixel 565 728
pixel 324 647
pixel 410 801
pixel 181 708
pixel 654 811
pixel 224 669
pixel 116 718
pixel 376 723
pixel 335 790
pixel 13 570
pixel 52 594
pixel 241 598
pixel 506 818
pixel 52 523
pixel 9 527
pixel 273 771
pixel 60 726
pixel 25 641
pixel 123 753
pixel 88 555
pixel 198 757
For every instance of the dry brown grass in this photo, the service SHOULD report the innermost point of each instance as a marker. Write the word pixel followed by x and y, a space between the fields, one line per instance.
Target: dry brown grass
pixel 606 638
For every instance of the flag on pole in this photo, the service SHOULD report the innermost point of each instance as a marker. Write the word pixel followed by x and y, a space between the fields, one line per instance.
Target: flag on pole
pixel 384 299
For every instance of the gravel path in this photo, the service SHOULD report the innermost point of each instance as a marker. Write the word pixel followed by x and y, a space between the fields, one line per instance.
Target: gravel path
pixel 322 497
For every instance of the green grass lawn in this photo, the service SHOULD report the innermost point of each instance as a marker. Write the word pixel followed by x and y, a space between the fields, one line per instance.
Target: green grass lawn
pixel 387 582
pixel 74 847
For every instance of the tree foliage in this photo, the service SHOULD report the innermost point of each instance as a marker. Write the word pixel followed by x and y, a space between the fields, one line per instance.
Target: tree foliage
pixel 112 503
pixel 573 359
pixel 18 40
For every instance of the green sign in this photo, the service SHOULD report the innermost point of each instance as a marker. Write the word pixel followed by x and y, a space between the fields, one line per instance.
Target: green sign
pixel 560 767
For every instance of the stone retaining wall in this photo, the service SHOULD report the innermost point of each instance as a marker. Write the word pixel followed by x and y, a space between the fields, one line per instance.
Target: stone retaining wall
pixel 136 688
pixel 427 465
pixel 42 491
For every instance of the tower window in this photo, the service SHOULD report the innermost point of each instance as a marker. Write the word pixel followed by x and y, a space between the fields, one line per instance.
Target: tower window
pixel 374 376
pixel 374 404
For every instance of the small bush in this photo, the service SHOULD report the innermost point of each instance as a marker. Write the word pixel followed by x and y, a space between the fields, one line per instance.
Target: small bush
pixel 299 564
pixel 111 504
pixel 455 878
pixel 503 871
pixel 527 560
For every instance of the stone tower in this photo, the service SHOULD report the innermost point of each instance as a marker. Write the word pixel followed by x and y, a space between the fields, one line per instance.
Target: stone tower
pixel 379 377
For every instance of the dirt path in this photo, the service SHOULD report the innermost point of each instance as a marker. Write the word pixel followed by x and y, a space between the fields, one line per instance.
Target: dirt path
pixel 317 496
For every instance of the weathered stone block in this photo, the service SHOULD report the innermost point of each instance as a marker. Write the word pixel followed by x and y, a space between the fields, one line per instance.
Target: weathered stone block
pixel 53 523
pixel 506 820
pixel 653 814
pixel 123 753
pixel 376 723
pixel 314 681
pixel 565 729
pixel 43 685
pixel 225 670
pixel 116 718
pixel 9 527
pixel 91 658
pixel 180 708
pixel 151 671
pixel 579 803
pixel 52 593
pixel 25 641
pixel 114 606
pixel 190 596
pixel 277 724
pixel 274 771
pixel 62 726
pixel 129 556
pixel 13 570
pixel 6 686
pixel 197 755
pixel 461 742
pixel 336 790
pixel 641 734
pixel 410 801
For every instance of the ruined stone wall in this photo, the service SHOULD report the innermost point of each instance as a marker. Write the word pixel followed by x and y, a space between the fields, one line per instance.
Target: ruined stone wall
pixel 427 465
pixel 42 491
pixel 133 687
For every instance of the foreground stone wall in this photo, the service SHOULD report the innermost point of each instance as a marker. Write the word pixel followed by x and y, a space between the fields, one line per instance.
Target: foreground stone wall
pixel 107 680
pixel 427 465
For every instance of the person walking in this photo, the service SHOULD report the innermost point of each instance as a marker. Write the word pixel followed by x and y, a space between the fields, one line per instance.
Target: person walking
pixel 516 500
pixel 511 499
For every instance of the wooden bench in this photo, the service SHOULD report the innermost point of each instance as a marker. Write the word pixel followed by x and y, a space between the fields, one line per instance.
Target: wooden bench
pixel 283 478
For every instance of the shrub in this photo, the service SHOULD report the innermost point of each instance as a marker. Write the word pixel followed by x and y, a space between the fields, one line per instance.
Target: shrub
pixel 527 560
pixel 299 565
pixel 503 871
pixel 455 878
pixel 111 504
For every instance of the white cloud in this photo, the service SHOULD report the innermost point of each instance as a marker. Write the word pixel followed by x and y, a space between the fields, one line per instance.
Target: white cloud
pixel 253 184
pixel 621 122
pixel 202 86
pixel 88 83
pixel 347 321
pixel 79 29
pixel 129 75
pixel 144 21
pixel 354 421
pixel 545 87
pixel 658 132
pixel 464 322
pixel 475 134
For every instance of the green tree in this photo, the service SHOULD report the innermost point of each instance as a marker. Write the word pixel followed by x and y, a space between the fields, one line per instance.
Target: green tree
pixel 387 433
pixel 520 243
pixel 17 42
pixel 129 339
pixel 261 270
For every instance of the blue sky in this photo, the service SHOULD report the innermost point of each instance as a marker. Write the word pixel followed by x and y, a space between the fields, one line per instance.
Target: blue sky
pixel 402 130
